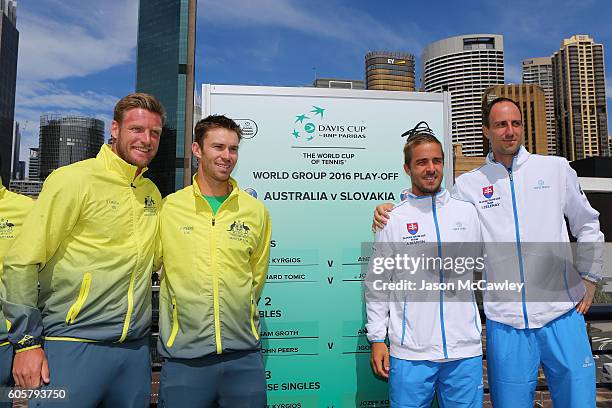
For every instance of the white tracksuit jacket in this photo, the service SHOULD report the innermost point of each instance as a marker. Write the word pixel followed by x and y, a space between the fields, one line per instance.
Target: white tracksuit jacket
pixel 443 328
pixel 524 206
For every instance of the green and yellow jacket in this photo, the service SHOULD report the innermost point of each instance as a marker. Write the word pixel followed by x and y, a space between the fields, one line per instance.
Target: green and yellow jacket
pixel 13 210
pixel 89 241
pixel 214 271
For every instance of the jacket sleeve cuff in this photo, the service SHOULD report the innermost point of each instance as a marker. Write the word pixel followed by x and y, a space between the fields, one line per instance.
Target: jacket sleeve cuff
pixel 27 348
pixel 27 343
pixel 590 277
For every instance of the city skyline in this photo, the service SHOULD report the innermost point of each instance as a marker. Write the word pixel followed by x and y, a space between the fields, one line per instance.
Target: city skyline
pixel 79 57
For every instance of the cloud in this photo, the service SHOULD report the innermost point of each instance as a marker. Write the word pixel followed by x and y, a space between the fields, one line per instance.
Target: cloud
pixel 327 20
pixel 35 99
pixel 74 41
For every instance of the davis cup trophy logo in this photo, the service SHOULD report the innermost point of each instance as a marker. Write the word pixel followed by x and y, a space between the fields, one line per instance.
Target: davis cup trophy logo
pixel 304 127
pixel 487 191
pixel 413 227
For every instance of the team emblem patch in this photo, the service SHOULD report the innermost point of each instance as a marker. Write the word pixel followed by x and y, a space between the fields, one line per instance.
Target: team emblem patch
pixel 487 191
pixel 413 228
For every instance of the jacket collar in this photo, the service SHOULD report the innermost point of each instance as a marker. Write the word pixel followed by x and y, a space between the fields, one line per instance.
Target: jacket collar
pixel 198 193
pixel 520 157
pixel 117 164
pixel 441 198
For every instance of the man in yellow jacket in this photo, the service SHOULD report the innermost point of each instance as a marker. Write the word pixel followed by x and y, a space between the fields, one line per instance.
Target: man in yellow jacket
pixel 13 210
pixel 89 242
pixel 216 244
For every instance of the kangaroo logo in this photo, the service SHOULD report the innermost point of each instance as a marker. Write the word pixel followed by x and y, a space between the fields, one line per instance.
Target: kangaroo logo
pixel 238 230
pixel 7 225
pixel 149 206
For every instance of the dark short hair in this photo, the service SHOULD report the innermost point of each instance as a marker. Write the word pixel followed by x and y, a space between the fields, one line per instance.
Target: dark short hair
pixel 138 100
pixel 214 122
pixel 486 109
pixel 418 139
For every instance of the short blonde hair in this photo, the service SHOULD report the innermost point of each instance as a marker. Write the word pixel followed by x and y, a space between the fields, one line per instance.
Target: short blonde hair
pixel 139 100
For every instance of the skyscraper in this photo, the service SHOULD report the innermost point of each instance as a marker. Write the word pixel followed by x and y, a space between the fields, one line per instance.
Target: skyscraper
pixel 66 140
pixel 33 164
pixel 16 147
pixel 532 100
pixel 580 98
pixel 539 71
pixel 465 65
pixel 165 68
pixel 390 71
pixel 9 41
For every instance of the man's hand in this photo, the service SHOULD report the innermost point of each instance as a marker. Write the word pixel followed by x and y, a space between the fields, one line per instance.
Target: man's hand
pixel 380 216
pixel 30 368
pixel 379 359
pixel 587 300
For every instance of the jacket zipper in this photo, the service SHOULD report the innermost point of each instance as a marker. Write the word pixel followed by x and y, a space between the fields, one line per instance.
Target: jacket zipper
pixel 215 277
pixel 175 324
pixel 75 309
pixel 443 331
pixel 130 294
pixel 518 245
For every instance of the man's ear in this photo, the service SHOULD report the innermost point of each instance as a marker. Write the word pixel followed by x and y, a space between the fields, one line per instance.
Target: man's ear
pixel 407 169
pixel 485 132
pixel 195 149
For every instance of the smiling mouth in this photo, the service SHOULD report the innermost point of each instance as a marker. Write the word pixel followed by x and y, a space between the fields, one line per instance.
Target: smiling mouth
pixel 142 149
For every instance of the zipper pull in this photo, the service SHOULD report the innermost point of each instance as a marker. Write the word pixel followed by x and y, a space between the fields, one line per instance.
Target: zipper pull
pixel 213 222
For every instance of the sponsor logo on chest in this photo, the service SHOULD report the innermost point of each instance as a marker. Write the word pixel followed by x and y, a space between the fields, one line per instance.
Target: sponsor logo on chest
pixel 541 185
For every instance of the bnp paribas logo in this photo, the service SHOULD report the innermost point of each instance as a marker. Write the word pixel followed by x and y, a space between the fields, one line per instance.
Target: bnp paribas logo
pixel 305 124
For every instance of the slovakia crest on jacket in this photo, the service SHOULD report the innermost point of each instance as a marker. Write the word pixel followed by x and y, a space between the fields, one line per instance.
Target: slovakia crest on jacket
pixel 487 191
pixel 413 227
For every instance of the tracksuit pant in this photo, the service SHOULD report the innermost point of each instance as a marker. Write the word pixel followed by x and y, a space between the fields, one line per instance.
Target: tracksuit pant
pixel 233 380
pixel 412 384
pixel 113 375
pixel 562 347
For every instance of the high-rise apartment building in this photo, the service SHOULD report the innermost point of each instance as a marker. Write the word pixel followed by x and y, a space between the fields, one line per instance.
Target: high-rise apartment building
pixel 165 68
pixel 338 83
pixel 580 98
pixel 539 71
pixel 66 140
pixel 465 65
pixel 9 42
pixel 532 100
pixel 33 164
pixel 390 71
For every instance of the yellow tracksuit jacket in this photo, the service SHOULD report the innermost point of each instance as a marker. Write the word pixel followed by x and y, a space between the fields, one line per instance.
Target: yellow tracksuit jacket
pixel 13 210
pixel 90 242
pixel 214 271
